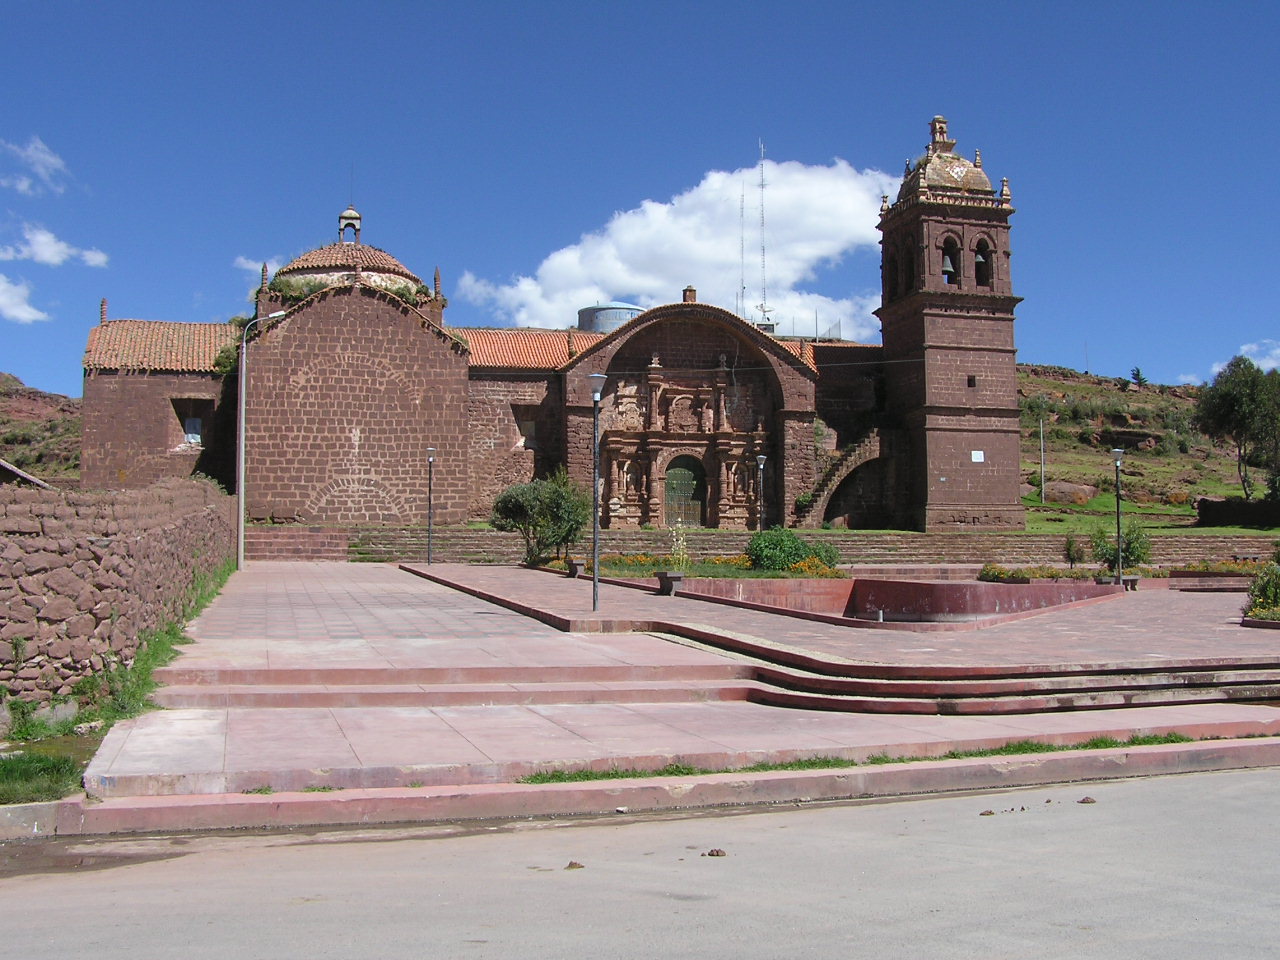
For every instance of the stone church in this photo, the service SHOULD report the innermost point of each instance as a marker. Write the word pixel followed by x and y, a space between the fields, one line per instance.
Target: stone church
pixel 355 387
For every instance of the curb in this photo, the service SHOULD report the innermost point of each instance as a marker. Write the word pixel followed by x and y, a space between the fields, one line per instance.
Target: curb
pixel 26 820
pixel 77 816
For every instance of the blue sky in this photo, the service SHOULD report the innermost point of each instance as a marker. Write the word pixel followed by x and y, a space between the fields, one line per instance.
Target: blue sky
pixel 548 156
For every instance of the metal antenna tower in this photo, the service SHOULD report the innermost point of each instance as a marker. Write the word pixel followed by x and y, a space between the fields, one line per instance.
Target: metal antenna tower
pixel 764 287
pixel 741 298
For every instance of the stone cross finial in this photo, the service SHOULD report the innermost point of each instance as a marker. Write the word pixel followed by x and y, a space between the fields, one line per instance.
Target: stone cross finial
pixel 102 311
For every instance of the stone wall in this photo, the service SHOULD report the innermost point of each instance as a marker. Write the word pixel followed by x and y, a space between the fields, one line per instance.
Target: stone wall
pixel 82 574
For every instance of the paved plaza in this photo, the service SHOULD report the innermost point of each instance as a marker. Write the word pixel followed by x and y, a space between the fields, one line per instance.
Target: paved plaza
pixel 327 683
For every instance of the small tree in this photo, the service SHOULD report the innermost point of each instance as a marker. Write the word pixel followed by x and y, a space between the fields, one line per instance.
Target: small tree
pixel 1073 551
pixel 1139 380
pixel 1137 545
pixel 1236 407
pixel 548 514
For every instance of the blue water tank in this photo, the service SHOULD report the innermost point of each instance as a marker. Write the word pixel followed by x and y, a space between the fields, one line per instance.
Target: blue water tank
pixel 607 317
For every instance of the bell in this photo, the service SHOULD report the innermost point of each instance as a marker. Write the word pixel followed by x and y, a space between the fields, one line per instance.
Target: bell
pixel 947 265
pixel 979 257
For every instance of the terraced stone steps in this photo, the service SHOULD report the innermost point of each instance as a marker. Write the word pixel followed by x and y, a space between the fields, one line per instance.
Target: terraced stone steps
pixel 468 545
pixel 760 673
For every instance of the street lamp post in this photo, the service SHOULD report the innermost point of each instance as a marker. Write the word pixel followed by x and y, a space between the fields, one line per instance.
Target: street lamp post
pixel 1119 455
pixel 431 477
pixel 243 375
pixel 597 384
pixel 760 459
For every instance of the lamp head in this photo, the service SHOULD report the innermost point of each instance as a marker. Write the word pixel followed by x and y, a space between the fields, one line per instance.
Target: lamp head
pixel 597 385
pixel 431 454
pixel 760 459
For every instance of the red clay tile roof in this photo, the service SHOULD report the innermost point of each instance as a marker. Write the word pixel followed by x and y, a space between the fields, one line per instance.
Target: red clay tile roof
pixel 512 348
pixel 347 256
pixel 156 345
pixel 801 349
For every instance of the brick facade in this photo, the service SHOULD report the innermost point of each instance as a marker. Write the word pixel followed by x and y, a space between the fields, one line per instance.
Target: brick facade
pixel 344 395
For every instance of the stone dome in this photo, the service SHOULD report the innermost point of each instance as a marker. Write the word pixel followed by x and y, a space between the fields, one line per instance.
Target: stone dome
pixel 942 171
pixel 340 262
pixel 347 257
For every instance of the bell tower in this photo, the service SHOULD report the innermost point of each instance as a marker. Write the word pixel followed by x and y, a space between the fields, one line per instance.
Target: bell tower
pixel 946 319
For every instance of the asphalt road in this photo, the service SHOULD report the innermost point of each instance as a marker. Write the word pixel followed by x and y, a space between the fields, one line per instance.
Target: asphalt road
pixel 1171 867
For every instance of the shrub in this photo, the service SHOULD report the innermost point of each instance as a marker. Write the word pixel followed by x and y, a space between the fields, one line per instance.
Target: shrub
pixel 1137 545
pixel 782 549
pixel 994 573
pixel 776 549
pixel 548 514
pixel 1264 595
pixel 294 289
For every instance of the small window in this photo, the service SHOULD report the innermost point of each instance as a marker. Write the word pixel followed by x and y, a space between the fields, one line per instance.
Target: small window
pixel 195 418
pixel 528 434
pixel 973 381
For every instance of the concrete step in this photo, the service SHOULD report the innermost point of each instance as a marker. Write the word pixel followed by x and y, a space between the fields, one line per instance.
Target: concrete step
pixel 450 694
pixel 338 675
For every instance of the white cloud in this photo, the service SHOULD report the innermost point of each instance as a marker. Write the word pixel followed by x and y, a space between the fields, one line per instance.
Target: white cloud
pixel 41 246
pixel 1189 379
pixel 15 302
pixel 39 161
pixel 1265 353
pixel 815 216
pixel 255 266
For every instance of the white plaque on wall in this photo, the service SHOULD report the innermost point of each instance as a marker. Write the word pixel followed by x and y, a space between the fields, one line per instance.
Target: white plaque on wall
pixel 978 456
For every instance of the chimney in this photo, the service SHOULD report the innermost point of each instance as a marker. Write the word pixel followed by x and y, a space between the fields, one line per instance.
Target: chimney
pixel 690 295
pixel 102 311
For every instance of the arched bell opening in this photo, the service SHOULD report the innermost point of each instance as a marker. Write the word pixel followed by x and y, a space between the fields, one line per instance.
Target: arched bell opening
pixel 951 261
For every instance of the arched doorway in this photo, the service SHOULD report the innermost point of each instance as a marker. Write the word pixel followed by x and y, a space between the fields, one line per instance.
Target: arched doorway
pixel 686 493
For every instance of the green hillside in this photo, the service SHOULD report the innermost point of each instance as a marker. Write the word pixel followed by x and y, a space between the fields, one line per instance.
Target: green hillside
pixel 39 432
pixel 1168 464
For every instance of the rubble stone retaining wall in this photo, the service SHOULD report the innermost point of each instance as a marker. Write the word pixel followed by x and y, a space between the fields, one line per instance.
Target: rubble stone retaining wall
pixel 83 574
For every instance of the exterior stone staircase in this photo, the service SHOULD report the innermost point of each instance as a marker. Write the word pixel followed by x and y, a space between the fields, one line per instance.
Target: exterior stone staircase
pixel 865 449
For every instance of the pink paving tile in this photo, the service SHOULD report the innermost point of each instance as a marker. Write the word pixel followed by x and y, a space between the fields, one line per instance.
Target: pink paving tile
pixel 400 736
pixel 303 737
